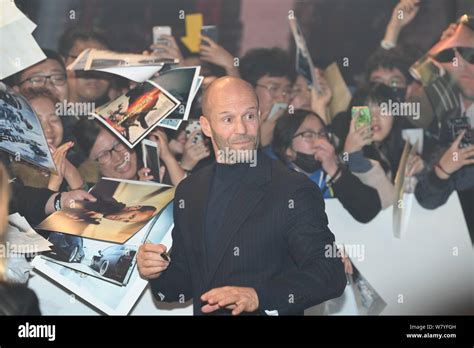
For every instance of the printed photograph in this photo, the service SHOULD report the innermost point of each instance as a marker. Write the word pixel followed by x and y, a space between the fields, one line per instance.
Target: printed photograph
pixel 180 83
pixel 122 208
pixel 107 261
pixel 133 115
pixel 104 291
pixel 21 133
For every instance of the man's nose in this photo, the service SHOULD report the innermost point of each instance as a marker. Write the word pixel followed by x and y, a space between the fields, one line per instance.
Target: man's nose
pixel 240 127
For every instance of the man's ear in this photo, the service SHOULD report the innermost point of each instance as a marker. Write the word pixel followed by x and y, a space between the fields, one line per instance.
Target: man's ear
pixel 205 126
pixel 16 89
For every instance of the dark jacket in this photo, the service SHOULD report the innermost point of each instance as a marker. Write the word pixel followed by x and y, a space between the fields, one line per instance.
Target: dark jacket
pixel 17 299
pixel 29 202
pixel 274 239
pixel 432 192
pixel 360 200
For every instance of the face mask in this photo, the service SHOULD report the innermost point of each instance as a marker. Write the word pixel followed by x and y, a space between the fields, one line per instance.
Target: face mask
pixel 399 94
pixel 307 162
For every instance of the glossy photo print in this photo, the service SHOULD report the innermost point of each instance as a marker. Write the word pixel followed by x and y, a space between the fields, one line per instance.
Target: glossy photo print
pixel 107 261
pixel 180 83
pixel 121 210
pixel 21 133
pixel 107 295
pixel 133 115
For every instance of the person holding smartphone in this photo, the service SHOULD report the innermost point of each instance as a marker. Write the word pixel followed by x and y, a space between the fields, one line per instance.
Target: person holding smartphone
pixel 454 170
pixel 373 151
pixel 210 51
pixel 271 73
pixel 304 144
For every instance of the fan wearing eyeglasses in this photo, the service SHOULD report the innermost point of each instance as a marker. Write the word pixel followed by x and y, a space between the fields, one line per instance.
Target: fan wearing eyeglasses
pixel 272 75
pixel 115 160
pixel 302 142
pixel 49 73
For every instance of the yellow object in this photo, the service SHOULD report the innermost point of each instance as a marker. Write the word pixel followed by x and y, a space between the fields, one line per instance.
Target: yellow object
pixel 192 40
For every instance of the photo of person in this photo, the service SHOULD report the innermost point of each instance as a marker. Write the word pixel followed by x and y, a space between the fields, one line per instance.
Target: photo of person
pixel 121 209
pixel 106 277
pixel 134 114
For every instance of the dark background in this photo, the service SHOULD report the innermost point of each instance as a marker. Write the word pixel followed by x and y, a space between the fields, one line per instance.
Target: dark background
pixel 334 29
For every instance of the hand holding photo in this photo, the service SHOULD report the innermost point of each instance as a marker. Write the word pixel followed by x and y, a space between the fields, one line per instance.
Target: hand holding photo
pixel 122 208
pixel 21 133
pixel 134 114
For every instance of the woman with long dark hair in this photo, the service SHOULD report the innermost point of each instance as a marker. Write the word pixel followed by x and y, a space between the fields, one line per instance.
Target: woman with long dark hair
pixel 374 151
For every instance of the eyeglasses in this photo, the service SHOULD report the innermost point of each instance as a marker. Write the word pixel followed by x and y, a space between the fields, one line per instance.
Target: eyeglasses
pixel 297 90
pixel 276 90
pixel 393 82
pixel 106 156
pixel 447 55
pixel 39 81
pixel 311 136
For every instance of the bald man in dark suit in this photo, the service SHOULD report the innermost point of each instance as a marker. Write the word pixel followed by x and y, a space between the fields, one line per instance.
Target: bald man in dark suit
pixel 250 236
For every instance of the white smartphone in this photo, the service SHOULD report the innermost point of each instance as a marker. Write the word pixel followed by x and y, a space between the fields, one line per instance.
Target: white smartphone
pixel 158 32
pixel 151 158
pixel 194 126
pixel 275 109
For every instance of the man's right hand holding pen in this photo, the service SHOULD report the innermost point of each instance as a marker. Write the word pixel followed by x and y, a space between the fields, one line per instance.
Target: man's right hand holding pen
pixel 152 260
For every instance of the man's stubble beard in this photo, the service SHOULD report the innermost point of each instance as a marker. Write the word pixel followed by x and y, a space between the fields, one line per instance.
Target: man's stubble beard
pixel 222 144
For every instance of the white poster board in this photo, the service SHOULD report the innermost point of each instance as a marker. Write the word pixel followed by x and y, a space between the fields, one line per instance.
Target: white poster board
pixel 429 271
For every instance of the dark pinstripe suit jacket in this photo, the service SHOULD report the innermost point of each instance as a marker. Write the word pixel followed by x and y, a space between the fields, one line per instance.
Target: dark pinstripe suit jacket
pixel 273 238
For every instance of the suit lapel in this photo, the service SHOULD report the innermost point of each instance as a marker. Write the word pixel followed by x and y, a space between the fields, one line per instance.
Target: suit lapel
pixel 195 222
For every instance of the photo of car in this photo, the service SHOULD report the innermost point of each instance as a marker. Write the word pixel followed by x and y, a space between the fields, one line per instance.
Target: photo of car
pixel 21 133
pixel 113 262
pixel 66 247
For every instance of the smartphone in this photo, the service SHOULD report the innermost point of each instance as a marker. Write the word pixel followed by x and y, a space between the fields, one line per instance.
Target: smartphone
pixel 158 32
pixel 194 126
pixel 277 107
pixel 456 126
pixel 151 158
pixel 211 32
pixel 362 115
